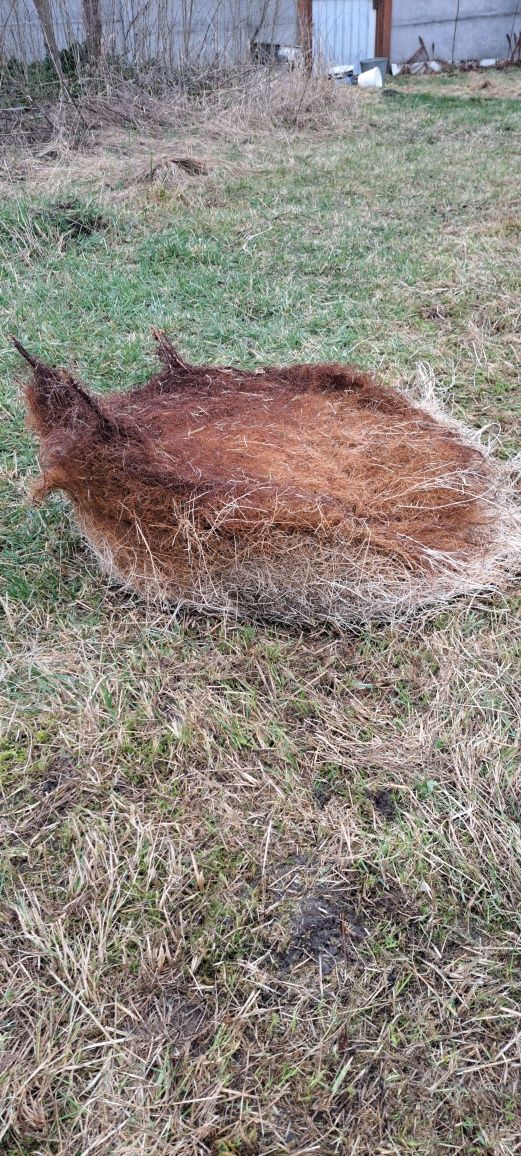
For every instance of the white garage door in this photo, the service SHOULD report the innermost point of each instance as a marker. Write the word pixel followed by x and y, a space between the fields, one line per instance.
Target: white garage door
pixel 343 31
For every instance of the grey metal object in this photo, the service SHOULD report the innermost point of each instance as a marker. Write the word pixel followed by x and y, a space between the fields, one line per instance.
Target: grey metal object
pixel 381 62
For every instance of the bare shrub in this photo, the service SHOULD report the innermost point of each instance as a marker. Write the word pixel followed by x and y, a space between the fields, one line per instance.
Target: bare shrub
pixel 85 66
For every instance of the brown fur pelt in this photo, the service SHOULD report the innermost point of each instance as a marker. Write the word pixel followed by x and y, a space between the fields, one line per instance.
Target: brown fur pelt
pixel 307 494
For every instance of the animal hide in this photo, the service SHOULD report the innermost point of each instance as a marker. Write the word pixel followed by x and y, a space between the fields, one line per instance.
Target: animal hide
pixel 304 494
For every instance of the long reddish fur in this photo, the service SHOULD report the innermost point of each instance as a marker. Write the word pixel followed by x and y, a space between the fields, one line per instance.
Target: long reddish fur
pixel 206 464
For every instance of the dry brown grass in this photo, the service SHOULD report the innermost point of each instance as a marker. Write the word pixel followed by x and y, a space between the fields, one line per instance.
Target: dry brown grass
pixel 267 896
pixel 482 84
pixel 259 99
pixel 114 146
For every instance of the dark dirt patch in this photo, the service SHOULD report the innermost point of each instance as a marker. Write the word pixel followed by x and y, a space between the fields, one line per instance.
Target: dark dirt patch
pixel 59 770
pixel 324 923
pixel 289 877
pixel 192 165
pixel 322 792
pixel 324 926
pixel 72 220
pixel 385 802
pixel 164 166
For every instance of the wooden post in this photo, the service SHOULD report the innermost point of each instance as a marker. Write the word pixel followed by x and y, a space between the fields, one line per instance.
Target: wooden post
pixel 384 16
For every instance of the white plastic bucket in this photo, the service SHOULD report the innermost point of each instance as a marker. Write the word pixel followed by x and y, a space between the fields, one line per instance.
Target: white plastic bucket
pixel 370 79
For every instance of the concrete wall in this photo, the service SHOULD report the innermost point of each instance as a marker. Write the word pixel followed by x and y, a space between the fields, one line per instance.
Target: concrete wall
pixel 173 30
pixel 481 29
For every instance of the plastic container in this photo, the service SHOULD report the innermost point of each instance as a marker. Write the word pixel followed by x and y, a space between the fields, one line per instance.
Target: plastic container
pixel 343 74
pixel 370 79
pixel 380 62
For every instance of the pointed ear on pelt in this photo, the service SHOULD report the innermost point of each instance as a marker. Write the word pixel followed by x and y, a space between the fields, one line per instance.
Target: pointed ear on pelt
pixel 55 399
pixel 167 351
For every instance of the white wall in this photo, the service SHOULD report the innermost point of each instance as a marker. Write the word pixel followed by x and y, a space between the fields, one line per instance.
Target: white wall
pixel 173 29
pixel 143 29
pixel 343 33
pixel 481 29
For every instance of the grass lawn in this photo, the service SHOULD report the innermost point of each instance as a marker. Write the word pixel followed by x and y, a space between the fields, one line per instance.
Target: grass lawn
pixel 260 890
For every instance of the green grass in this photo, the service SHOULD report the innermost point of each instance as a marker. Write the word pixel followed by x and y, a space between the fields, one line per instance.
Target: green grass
pixel 259 891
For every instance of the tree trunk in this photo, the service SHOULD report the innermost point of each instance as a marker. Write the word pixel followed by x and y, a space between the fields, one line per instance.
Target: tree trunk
pixel 93 28
pixel 43 8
